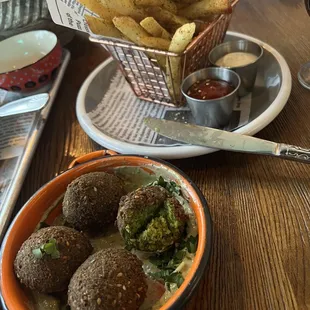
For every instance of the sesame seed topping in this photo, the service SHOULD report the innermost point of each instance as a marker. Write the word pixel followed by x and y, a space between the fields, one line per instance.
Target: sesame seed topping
pixel 119 285
pixel 128 282
pixel 114 303
pixel 119 275
pixel 99 301
pixel 119 295
pixel 124 287
pixel 67 243
pixel 95 189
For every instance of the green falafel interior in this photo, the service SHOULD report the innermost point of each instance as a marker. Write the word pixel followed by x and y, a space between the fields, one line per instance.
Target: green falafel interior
pixel 151 219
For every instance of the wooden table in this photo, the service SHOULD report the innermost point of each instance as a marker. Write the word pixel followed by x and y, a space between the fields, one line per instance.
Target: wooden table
pixel 260 206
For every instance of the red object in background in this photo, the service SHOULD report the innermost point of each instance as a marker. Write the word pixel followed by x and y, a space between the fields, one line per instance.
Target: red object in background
pixel 35 75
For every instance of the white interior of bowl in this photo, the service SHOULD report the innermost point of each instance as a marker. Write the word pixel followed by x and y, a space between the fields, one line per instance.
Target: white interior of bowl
pixel 25 49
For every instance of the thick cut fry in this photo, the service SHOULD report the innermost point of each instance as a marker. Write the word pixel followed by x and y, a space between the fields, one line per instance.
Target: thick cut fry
pixel 102 27
pixel 154 28
pixel 126 8
pixel 156 43
pixel 206 8
pixel 130 28
pixel 98 7
pixel 182 37
pixel 165 4
pixel 166 18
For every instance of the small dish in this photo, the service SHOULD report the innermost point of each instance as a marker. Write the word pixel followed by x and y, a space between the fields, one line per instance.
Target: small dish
pixel 246 72
pixel 29 60
pixel 216 112
pixel 31 214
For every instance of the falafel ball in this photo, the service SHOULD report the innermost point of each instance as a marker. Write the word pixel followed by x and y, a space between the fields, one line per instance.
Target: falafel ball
pixel 109 279
pixel 47 260
pixel 91 201
pixel 150 219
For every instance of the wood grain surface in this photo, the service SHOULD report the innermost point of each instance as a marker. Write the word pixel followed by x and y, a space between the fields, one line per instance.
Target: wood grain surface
pixel 259 205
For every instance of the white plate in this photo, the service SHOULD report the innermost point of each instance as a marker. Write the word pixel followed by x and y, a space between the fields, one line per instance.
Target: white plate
pixel 272 90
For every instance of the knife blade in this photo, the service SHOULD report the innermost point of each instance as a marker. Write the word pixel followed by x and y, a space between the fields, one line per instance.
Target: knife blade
pixel 224 140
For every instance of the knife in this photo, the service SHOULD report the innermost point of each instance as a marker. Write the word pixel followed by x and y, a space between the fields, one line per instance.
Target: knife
pixel 224 140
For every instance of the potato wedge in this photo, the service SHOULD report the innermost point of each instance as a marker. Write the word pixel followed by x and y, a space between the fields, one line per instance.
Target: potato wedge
pixel 126 8
pixel 130 28
pixel 98 7
pixel 156 43
pixel 154 28
pixel 102 27
pixel 182 37
pixel 170 20
pixel 206 8
pixel 165 4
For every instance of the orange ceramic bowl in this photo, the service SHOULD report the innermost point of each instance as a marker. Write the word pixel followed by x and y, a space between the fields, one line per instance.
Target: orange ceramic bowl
pixel 13 296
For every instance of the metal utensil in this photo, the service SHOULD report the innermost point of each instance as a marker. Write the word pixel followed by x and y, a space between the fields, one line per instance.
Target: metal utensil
pixel 24 105
pixel 248 72
pixel 214 112
pixel 224 140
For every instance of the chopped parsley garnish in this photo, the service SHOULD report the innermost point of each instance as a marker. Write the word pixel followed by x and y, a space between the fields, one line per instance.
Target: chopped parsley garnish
pixel 190 244
pixel 169 277
pixel 49 248
pixel 169 261
pixel 170 186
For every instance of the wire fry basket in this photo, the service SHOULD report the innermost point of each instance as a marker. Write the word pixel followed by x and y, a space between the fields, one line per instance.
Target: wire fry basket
pixel 143 68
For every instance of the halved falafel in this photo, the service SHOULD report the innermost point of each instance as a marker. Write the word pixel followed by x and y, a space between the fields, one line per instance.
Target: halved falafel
pixel 150 219
pixel 91 201
pixel 48 258
pixel 109 279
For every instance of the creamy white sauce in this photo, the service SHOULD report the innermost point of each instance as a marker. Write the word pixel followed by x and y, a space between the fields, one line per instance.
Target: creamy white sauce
pixel 237 59
pixel 133 178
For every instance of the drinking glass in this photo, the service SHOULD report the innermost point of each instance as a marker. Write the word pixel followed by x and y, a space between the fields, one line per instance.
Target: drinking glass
pixel 304 72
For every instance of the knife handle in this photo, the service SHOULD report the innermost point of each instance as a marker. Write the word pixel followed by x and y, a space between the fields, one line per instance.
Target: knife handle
pixel 295 153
